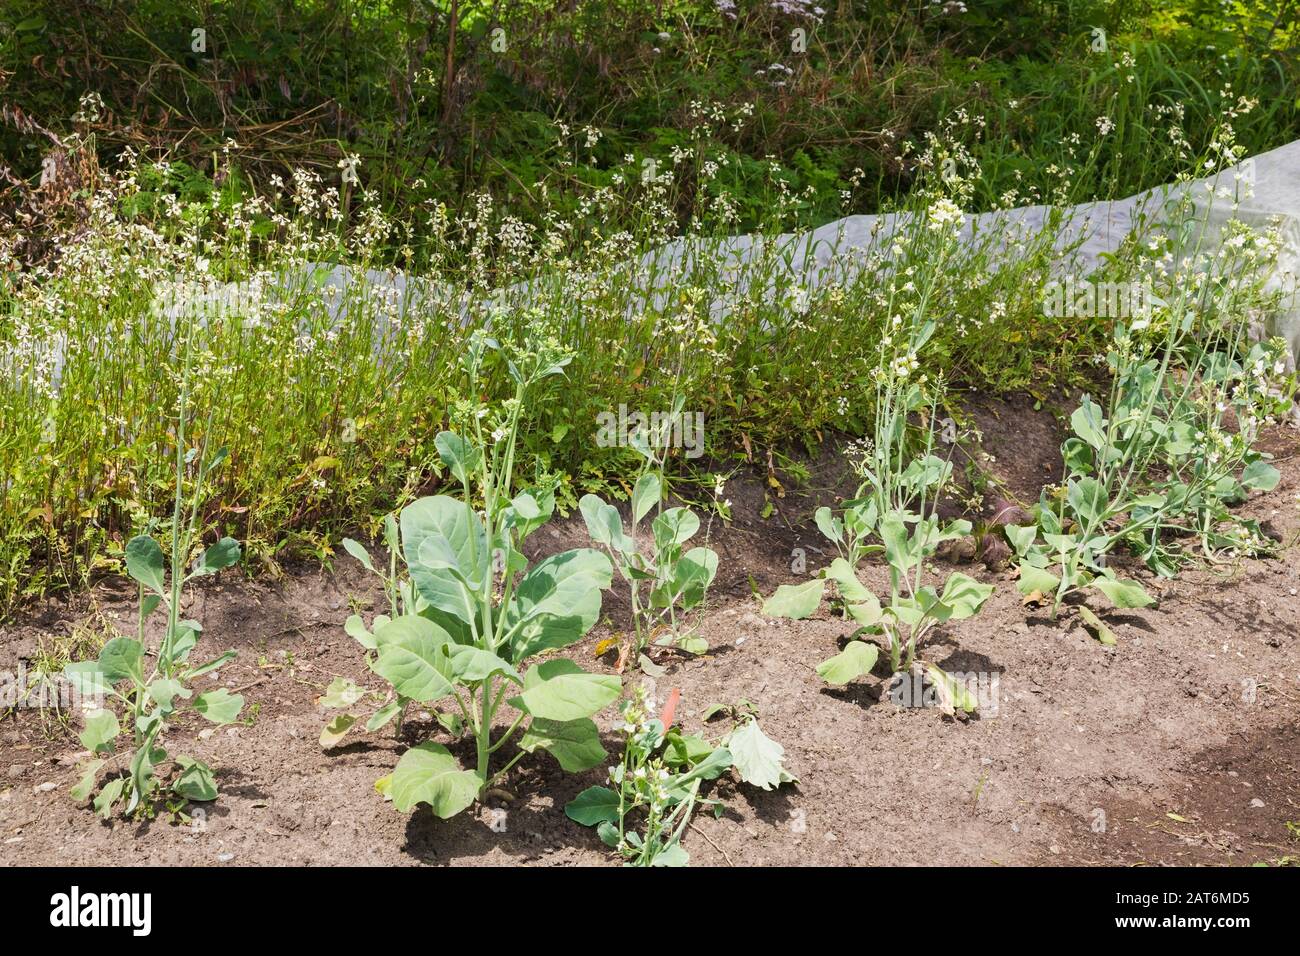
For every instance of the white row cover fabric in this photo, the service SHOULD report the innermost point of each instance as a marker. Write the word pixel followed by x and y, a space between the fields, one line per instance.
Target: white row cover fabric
pixel 1089 230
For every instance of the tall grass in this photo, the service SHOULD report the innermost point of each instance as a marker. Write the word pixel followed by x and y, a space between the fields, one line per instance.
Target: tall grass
pixel 328 391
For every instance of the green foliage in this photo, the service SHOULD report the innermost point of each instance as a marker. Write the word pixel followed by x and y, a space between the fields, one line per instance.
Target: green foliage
pixel 657 784
pixel 337 79
pixel 666 581
pixel 1173 446
pixel 473 611
pixel 152 694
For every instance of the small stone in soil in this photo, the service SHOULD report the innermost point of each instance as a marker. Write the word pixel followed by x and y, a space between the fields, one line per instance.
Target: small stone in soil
pixel 1257 803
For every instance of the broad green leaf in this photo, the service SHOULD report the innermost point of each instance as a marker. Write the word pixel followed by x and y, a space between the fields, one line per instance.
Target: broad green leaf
pixel 674 526
pixel 195 781
pixel 1021 537
pixel 449 529
pixel 593 806
pixel 1260 476
pixel 86 679
pixel 574 743
pixel 164 692
pixel 525 506
pixel 355 628
pixel 122 658
pixel 336 729
pixel 1088 498
pixel 100 732
pixel 608 834
pixel 85 786
pixel 385 714
pixel 461 458
pixel 1089 423
pixel 830 526
pixel 795 601
pixel 856 660
pixel 219 706
pixel 218 557
pixel 144 562
pixel 1036 579
pixel 1078 456
pixel 559 690
pixel 672 856
pixel 851 589
pixel 358 551
pixel 693 644
pixel 341 693
pixel 1123 593
pixel 757 757
pixel 645 495
pixel 912 610
pixel 603 521
pixel 692 575
pixel 557 601
pixel 185 640
pixel 687 750
pixel 111 793
pixel 866 614
pixel 475 664
pixel 413 658
pixel 964 596
pixel 900 546
pixel 428 773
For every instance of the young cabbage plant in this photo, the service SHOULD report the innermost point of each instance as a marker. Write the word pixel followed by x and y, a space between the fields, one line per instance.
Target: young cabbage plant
pixel 473 613
pixel 665 580
pixel 660 777
pixel 914 608
pixel 154 685
pixel 1160 466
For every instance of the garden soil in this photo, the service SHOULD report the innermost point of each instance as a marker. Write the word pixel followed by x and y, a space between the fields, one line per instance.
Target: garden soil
pixel 1179 745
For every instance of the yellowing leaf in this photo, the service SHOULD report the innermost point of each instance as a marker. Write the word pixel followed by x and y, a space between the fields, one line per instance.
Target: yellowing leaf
pixel 1095 624
pixel 1036 598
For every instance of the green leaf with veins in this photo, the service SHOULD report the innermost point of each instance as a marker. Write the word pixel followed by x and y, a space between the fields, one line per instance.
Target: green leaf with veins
pixel 795 601
pixel 219 706
pixel 593 806
pixel 428 773
pixel 574 743
pixel 144 562
pixel 560 690
pixel 100 732
pixel 413 658
pixel 856 660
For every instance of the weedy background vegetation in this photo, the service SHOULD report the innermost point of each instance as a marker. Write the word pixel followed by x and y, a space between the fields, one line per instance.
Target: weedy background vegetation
pixel 552 142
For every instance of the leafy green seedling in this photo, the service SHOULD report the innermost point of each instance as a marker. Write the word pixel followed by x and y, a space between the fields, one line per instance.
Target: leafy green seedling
pixel 473 612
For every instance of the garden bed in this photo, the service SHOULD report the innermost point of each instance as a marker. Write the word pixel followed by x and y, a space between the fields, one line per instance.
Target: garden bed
pixel 1155 750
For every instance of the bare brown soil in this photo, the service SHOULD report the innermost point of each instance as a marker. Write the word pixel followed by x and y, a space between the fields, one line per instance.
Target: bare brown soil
pixel 1155 751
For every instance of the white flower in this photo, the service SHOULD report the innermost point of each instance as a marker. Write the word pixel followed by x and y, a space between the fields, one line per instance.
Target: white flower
pixel 943 215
